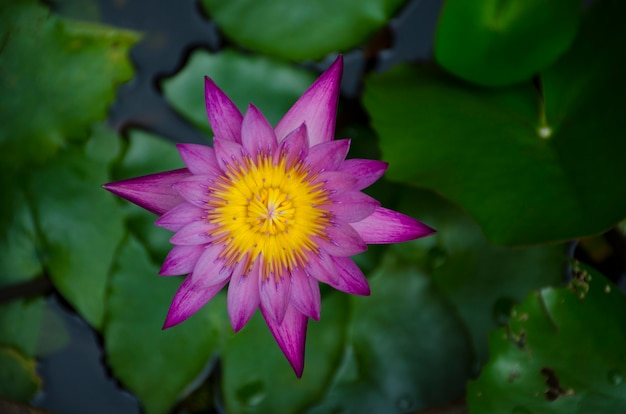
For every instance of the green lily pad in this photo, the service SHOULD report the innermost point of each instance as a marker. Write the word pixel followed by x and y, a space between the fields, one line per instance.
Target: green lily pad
pixel 258 378
pixel 18 378
pixel 155 365
pixel 57 76
pixel 147 154
pixel 562 352
pixel 400 338
pixel 80 224
pixel 493 42
pixel 19 250
pixel 300 29
pixel 483 281
pixel 20 325
pixel 271 85
pixel 528 171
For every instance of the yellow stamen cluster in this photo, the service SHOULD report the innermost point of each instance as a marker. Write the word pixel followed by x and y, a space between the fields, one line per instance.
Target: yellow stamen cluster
pixel 268 210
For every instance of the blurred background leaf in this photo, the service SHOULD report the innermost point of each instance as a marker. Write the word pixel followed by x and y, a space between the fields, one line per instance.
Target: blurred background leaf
pixel 271 85
pixel 528 171
pixel 494 42
pixel 39 102
pixel 562 352
pixel 300 30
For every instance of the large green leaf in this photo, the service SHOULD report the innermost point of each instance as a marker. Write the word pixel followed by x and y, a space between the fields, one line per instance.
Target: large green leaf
pixel 408 348
pixel 80 224
pixel 563 352
pixel 257 377
pixel 147 154
pixel 483 281
pixel 18 378
pixel 20 325
pixel 156 365
pixel 496 42
pixel 56 76
pixel 528 172
pixel 271 85
pixel 300 29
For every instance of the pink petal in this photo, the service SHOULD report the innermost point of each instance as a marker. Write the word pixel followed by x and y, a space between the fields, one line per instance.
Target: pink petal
pixel 199 159
pixel 257 134
pixel 224 117
pixel 335 181
pixel 305 294
pixel 367 172
pixel 188 300
pixel 181 260
pixel 387 226
pixel 194 189
pixel 229 153
pixel 153 192
pixel 180 216
pixel 328 155
pixel 243 296
pixel 317 107
pixel 196 232
pixel 343 240
pixel 295 146
pixel 321 267
pixel 275 295
pixel 210 269
pixel 290 336
pixel 352 206
pixel 351 279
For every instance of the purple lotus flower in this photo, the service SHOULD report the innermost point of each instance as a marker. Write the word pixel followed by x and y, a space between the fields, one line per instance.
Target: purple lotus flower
pixel 270 212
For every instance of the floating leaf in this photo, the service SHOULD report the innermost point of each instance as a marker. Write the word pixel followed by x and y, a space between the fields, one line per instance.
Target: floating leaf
pixel 80 225
pixel 493 42
pixel 147 154
pixel 271 85
pixel 156 365
pixel 300 29
pixel 410 349
pixel 57 77
pixel 20 325
pixel 562 352
pixel 258 378
pixel 18 378
pixel 526 175
pixel 483 281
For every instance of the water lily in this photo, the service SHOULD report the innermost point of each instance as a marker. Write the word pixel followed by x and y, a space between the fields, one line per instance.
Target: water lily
pixel 271 212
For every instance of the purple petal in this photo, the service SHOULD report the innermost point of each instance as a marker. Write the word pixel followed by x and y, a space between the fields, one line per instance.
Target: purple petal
pixel 352 206
pixel 343 240
pixel 305 294
pixel 367 172
pixel 387 226
pixel 317 107
pixel 181 260
pixel 224 117
pixel 153 192
pixel 180 216
pixel 335 181
pixel 257 135
pixel 351 279
pixel 328 155
pixel 188 300
pixel 199 159
pixel 321 267
pixel 243 296
pixel 196 232
pixel 210 269
pixel 275 295
pixel 228 153
pixel 290 336
pixel 295 146
pixel 194 189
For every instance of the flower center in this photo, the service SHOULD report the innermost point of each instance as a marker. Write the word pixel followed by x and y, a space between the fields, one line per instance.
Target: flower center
pixel 269 211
